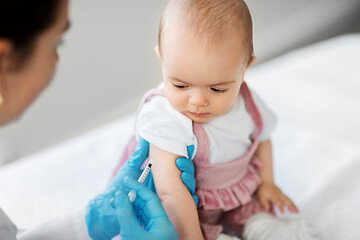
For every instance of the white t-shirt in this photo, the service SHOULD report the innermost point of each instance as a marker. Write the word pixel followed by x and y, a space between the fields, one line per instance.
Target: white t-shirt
pixel 229 135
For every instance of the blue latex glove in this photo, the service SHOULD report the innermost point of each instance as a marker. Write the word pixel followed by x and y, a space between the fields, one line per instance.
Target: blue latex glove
pixel 158 226
pixel 101 217
pixel 188 172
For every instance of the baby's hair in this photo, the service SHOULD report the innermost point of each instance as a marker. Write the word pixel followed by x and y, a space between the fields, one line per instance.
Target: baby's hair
pixel 212 21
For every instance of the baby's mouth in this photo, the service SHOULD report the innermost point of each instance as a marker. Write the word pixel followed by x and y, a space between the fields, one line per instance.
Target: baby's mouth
pixel 199 115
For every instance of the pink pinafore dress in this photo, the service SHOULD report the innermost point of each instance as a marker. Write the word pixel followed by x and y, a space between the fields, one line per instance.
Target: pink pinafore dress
pixel 225 191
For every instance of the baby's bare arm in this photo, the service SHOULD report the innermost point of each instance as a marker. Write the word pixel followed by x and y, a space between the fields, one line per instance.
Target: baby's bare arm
pixel 268 193
pixel 264 154
pixel 175 197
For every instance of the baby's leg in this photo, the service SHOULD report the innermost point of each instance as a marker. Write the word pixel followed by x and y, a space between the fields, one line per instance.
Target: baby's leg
pixel 264 226
pixel 209 216
pixel 209 222
pixel 252 222
pixel 235 220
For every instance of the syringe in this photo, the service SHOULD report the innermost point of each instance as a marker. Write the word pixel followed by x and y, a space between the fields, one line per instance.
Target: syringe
pixel 132 193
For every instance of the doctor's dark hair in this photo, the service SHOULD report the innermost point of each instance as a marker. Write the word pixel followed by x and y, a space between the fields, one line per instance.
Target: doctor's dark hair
pixel 21 21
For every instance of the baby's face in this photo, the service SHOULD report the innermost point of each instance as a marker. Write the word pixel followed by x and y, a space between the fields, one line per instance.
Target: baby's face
pixel 199 81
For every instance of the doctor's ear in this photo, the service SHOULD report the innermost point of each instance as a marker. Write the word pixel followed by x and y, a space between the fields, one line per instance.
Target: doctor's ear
pixel 157 51
pixel 5 46
pixel 5 50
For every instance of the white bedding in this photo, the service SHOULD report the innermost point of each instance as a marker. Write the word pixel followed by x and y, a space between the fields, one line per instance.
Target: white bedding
pixel 315 92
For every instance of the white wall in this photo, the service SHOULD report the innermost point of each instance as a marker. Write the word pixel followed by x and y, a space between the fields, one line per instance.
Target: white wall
pixel 108 61
pixel 106 64
pixel 282 25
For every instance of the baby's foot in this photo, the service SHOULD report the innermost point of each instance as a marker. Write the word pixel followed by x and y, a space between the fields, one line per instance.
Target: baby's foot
pixel 264 226
pixel 223 236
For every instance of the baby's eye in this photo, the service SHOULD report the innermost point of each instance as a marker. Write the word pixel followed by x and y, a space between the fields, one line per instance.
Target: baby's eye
pixel 218 90
pixel 180 86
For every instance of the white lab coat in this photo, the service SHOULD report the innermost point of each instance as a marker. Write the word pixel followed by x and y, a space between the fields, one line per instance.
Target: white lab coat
pixel 72 227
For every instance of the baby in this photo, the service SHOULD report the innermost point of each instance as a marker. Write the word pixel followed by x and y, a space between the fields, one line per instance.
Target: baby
pixel 204 105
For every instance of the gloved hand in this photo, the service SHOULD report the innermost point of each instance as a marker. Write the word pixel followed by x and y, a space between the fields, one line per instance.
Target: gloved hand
pixel 188 172
pixel 158 226
pixel 131 167
pixel 101 217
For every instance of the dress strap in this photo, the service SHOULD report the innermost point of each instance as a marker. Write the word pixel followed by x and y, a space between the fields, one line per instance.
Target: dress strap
pixel 228 185
pixel 130 147
pixel 148 95
pixel 203 149
pixel 252 109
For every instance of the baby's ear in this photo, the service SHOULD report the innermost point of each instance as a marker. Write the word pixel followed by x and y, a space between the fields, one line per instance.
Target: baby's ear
pixel 251 61
pixel 157 51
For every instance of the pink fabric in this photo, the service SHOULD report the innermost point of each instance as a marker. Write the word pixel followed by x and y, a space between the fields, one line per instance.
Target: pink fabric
pixel 228 185
pixel 129 149
pixel 225 191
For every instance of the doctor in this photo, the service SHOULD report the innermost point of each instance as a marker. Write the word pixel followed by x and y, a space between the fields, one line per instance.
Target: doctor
pixel 30 33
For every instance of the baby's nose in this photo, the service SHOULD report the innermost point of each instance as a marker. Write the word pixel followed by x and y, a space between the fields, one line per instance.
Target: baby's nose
pixel 198 99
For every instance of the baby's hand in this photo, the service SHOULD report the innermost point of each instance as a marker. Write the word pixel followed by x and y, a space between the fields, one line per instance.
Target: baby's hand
pixel 269 194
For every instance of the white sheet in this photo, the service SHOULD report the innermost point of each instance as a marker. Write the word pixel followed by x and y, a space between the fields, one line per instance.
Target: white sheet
pixel 315 93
